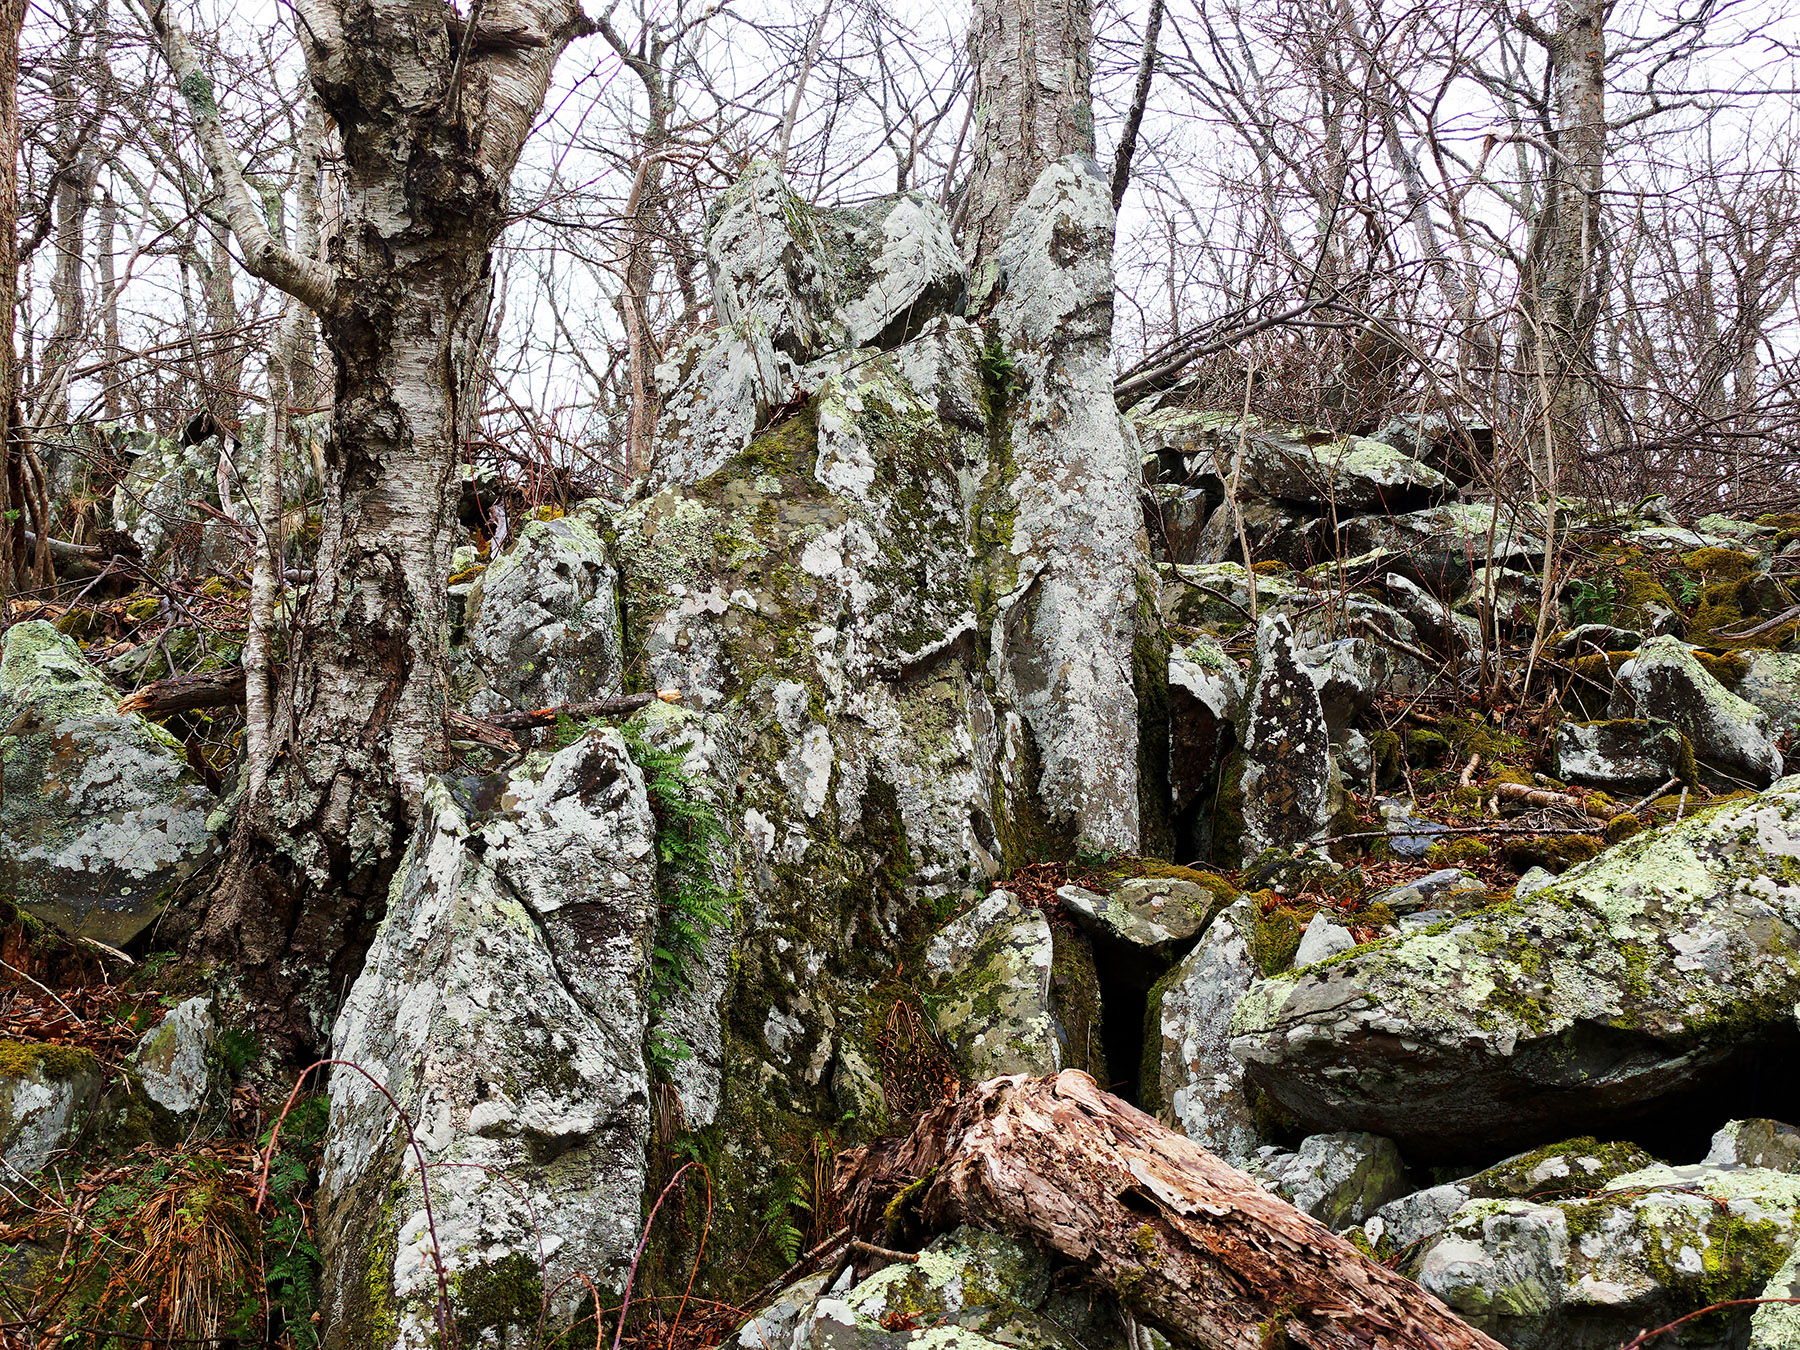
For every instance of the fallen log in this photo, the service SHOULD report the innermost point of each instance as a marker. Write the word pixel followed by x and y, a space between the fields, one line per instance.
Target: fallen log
pixel 187 693
pixel 596 707
pixel 1187 1243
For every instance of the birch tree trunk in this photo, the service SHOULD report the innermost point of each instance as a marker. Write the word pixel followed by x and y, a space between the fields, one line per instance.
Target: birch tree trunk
pixel 1034 62
pixel 432 111
pixel 1187 1243
pixel 1562 299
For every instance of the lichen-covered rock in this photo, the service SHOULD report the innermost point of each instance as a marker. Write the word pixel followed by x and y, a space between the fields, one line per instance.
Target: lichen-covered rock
pixel 503 1007
pixel 1339 1179
pixel 1771 682
pixel 1589 639
pixel 1206 700
pixel 1439 548
pixel 1438 890
pixel 1776 1325
pixel 1636 974
pixel 1199 1086
pixel 969 1290
pixel 1653 1245
pixel 1158 914
pixel 1215 598
pixel 1067 627
pixel 1438 625
pixel 1626 755
pixel 1287 748
pixel 991 970
pixel 543 620
pixel 100 816
pixel 1321 941
pixel 1292 464
pixel 1729 735
pixel 174 1060
pixel 1755 1143
pixel 46 1095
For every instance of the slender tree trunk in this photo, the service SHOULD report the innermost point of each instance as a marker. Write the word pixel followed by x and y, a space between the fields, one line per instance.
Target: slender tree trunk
pixel 109 302
pixel 1562 290
pixel 12 524
pixel 1034 61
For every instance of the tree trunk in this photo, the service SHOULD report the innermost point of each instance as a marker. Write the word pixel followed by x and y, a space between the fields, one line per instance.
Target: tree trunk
pixel 1034 61
pixel 1187 1243
pixel 13 548
pixel 1562 299
pixel 432 115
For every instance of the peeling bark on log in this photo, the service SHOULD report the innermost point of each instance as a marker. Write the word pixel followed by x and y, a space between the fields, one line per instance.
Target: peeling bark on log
pixel 185 693
pixel 1189 1244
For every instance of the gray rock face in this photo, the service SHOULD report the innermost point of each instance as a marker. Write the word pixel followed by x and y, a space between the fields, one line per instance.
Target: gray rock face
pixel 1201 1085
pixel 969 1290
pixel 1287 748
pixel 543 621
pixel 1588 638
pixel 1066 627
pixel 1158 914
pixel 1439 548
pixel 991 968
pixel 1729 735
pixel 1635 974
pixel 503 1007
pixel 1771 682
pixel 1627 755
pixel 1206 699
pixel 1339 1179
pixel 174 1059
pixel 44 1103
pixel 1321 941
pixel 100 816
pixel 1651 1246
pixel 1755 1143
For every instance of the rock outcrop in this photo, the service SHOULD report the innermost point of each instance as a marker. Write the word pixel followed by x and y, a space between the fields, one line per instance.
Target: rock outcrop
pixel 100 815
pixel 1632 976
pixel 502 1009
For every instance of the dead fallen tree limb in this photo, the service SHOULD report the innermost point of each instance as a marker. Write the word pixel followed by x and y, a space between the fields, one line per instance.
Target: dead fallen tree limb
pixel 1187 1243
pixel 597 707
pixel 187 693
pixel 1531 796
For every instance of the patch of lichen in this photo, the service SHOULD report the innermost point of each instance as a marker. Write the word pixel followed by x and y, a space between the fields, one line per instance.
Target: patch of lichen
pixel 1150 683
pixel 1555 853
pixel 1737 1258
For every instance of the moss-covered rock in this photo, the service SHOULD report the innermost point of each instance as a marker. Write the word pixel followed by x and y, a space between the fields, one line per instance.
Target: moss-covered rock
pixel 1729 736
pixel 990 973
pixel 100 815
pixel 1521 1020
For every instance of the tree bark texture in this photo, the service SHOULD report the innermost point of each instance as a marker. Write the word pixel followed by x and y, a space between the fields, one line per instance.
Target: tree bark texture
pixel 13 547
pixel 1189 1244
pixel 1034 62
pixel 1563 282
pixel 431 115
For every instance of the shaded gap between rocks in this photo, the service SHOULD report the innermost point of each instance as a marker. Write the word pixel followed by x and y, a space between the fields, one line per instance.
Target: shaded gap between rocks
pixel 1760 1080
pixel 1125 975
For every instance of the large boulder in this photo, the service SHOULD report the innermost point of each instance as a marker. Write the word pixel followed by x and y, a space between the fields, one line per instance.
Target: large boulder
pixel 1640 973
pixel 1440 548
pixel 503 1009
pixel 101 816
pixel 543 620
pixel 1771 682
pixel 1589 1274
pixel 1339 1179
pixel 1624 755
pixel 1729 736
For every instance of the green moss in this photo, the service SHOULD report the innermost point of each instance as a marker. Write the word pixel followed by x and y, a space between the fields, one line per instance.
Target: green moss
pixel 1277 934
pixel 19 1058
pixel 1641 595
pixel 1590 1165
pixel 1719 564
pixel 1075 997
pixel 1622 827
pixel 1426 749
pixel 507 1295
pixel 1385 745
pixel 1464 849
